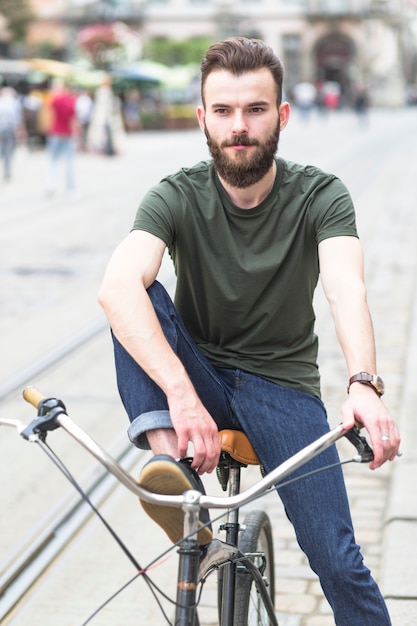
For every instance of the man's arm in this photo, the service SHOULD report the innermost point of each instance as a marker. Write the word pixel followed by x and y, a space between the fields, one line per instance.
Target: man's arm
pixel 342 276
pixel 131 270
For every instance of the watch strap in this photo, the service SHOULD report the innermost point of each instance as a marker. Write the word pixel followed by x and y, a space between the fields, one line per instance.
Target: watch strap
pixel 372 380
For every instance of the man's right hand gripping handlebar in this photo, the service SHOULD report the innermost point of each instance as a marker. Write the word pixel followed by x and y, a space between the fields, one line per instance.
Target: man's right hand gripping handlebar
pixel 364 408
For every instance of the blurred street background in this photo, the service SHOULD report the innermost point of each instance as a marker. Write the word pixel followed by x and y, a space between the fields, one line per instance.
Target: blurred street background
pixel 337 55
pixel 129 72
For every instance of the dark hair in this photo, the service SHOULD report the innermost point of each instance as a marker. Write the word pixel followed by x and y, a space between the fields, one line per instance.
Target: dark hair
pixel 239 55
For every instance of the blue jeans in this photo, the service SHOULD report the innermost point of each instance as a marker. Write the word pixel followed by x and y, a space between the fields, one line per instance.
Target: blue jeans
pixel 61 147
pixel 7 146
pixel 279 422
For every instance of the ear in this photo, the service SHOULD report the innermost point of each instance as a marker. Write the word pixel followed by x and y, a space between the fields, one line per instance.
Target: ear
pixel 284 114
pixel 201 116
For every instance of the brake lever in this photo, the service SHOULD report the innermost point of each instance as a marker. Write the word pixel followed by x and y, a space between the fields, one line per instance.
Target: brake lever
pixel 365 452
pixel 49 409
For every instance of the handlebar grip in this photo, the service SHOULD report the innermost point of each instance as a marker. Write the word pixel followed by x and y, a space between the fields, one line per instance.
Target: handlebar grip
pixel 49 410
pixel 33 396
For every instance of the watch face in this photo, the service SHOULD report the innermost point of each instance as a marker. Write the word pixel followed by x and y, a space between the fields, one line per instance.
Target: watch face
pixel 379 384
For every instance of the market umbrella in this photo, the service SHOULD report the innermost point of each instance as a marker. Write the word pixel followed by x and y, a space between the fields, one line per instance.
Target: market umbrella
pixel 51 67
pixel 142 72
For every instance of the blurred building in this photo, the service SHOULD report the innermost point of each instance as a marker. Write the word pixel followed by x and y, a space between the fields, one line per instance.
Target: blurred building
pixel 355 43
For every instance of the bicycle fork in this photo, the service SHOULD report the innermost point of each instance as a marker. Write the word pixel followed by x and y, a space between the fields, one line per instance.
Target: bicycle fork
pixel 189 560
pixel 190 555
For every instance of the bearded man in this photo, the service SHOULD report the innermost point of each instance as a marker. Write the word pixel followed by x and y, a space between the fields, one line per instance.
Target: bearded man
pixel 249 234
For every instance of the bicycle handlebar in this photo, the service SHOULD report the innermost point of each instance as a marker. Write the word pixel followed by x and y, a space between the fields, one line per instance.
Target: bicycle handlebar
pixel 52 414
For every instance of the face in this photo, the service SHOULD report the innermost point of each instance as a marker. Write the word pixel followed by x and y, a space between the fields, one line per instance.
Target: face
pixel 242 122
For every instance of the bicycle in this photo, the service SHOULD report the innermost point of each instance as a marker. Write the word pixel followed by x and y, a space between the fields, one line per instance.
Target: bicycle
pixel 245 560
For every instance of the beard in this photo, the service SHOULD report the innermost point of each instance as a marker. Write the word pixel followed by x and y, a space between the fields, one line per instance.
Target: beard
pixel 245 170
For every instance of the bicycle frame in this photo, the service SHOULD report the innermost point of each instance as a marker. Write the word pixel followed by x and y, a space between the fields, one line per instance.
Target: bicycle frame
pixel 194 562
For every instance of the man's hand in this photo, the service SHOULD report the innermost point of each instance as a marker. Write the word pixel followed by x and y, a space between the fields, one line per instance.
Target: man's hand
pixel 364 406
pixel 193 424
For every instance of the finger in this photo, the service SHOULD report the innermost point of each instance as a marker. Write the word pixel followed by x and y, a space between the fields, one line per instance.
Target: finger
pixel 390 436
pixel 385 447
pixel 381 446
pixel 183 441
pixel 198 451
pixel 208 461
pixel 213 451
pixel 348 418
pixel 206 453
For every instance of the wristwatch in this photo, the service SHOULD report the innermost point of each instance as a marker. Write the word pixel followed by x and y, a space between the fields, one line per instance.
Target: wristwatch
pixel 372 380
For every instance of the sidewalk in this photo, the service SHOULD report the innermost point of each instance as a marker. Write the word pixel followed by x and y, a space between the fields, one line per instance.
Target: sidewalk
pixel 398 578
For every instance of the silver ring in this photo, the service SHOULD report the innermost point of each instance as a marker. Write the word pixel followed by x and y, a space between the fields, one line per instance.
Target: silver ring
pixel 385 438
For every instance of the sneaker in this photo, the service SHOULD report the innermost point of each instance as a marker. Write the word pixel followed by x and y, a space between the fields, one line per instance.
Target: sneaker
pixel 164 475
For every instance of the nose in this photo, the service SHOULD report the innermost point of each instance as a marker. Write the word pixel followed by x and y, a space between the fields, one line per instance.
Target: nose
pixel 239 125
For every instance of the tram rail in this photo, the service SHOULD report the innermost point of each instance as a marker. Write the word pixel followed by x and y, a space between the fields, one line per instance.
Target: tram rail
pixel 32 556
pixel 51 358
pixel 43 544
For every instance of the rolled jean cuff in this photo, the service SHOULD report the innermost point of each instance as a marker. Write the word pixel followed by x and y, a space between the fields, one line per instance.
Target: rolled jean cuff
pixel 147 421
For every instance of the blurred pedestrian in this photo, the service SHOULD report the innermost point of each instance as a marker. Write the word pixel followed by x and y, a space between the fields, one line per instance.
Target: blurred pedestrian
pixel 84 108
pixel 361 105
pixel 32 106
pixel 305 96
pixel 331 95
pixel 131 111
pixel 106 125
pixel 11 124
pixel 61 132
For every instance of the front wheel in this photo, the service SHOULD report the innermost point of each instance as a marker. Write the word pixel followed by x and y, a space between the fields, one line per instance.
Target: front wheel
pixel 256 539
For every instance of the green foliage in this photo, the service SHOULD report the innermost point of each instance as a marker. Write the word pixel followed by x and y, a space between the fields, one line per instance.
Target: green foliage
pixel 45 49
pixel 18 14
pixel 173 52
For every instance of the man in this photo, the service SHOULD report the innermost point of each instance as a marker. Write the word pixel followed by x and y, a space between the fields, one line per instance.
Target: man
pixel 84 108
pixel 61 132
pixel 248 234
pixel 10 127
pixel 106 124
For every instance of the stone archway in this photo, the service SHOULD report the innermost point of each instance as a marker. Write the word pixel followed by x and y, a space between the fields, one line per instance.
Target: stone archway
pixel 334 56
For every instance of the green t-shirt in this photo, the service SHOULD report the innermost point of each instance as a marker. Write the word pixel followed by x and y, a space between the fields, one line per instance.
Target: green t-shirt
pixel 246 277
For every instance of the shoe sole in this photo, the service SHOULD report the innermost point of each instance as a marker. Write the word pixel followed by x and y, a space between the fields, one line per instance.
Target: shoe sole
pixel 166 478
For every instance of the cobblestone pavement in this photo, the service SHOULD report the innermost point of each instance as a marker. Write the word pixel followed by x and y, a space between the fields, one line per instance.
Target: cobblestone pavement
pixel 53 255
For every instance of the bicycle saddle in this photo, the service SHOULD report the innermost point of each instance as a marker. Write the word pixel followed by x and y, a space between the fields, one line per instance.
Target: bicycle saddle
pixel 235 443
